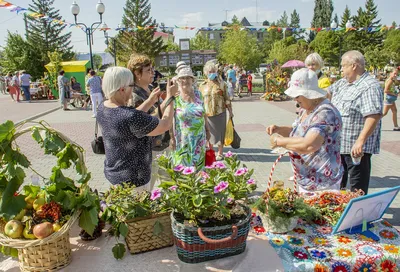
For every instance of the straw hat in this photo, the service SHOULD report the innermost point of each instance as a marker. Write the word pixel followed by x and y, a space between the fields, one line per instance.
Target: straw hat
pixel 185 71
pixel 305 82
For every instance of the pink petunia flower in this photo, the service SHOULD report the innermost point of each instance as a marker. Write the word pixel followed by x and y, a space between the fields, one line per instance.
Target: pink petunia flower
pixel 230 200
pixel 203 180
pixel 204 174
pixel 228 154
pixel 155 194
pixel 179 168
pixel 251 181
pixel 189 170
pixel 210 166
pixel 219 165
pixel 241 172
pixel 173 187
pixel 220 187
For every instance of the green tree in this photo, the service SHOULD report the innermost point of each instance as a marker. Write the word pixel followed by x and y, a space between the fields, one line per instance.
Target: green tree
pixel 97 61
pixel 295 23
pixel 202 42
pixel 241 48
pixel 394 24
pixel 376 58
pixel 235 20
pixel 368 19
pixel 287 49
pixel 283 21
pixel 323 10
pixel 336 19
pixel 326 43
pixel 137 14
pixel 391 45
pixel 171 46
pixel 345 17
pixel 270 37
pixel 18 54
pixel 55 59
pixel 46 36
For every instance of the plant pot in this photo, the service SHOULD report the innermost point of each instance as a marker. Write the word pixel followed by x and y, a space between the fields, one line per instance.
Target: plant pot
pixel 141 237
pixel 280 224
pixel 200 244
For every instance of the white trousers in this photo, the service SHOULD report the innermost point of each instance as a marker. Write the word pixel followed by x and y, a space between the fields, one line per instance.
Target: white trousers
pixel 96 98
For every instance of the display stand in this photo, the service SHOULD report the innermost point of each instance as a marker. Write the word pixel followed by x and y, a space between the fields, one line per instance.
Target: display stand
pixel 362 211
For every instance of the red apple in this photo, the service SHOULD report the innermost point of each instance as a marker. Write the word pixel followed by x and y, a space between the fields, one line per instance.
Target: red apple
pixel 14 229
pixel 43 230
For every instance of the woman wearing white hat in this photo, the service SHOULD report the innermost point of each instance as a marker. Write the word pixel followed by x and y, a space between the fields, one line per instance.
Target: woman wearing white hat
pixel 190 130
pixel 314 138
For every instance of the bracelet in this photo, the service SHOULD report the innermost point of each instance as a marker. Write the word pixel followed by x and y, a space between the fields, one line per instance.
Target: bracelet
pixel 172 98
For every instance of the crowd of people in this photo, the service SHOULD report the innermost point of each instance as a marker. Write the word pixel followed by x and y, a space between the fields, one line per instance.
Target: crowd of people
pixel 16 85
pixel 331 142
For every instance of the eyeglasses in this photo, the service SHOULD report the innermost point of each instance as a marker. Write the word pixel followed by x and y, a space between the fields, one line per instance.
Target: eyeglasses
pixel 149 70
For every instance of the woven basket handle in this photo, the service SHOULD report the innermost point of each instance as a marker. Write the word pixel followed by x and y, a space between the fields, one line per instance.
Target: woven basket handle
pixel 220 241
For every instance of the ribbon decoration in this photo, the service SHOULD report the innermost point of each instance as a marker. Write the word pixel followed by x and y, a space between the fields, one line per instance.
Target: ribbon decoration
pixel 21 10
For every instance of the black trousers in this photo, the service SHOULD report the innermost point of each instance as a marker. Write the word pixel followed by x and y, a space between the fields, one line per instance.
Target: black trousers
pixel 358 175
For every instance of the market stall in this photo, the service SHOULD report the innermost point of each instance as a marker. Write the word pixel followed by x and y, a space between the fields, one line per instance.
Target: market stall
pixel 75 69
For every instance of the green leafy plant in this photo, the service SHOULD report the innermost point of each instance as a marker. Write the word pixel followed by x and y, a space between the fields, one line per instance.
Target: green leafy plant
pixel 208 196
pixel 122 203
pixel 285 204
pixel 71 194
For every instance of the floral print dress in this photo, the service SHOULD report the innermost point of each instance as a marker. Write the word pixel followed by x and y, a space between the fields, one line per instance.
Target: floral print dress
pixel 323 168
pixel 190 132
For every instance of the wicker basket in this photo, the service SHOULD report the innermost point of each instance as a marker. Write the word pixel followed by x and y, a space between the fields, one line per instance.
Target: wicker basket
pixel 141 237
pixel 53 252
pixel 280 225
pixel 195 245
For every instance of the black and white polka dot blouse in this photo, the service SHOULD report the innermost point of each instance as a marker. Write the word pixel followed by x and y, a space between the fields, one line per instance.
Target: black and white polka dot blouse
pixel 128 149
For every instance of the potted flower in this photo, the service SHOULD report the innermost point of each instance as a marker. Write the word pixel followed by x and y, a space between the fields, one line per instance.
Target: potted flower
pixel 281 209
pixel 210 219
pixel 140 217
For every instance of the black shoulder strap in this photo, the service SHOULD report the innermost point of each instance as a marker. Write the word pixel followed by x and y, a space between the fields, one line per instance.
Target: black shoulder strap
pixel 96 129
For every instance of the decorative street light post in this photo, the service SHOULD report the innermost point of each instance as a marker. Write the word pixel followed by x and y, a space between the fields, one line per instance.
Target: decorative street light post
pixel 105 27
pixel 100 8
pixel 334 26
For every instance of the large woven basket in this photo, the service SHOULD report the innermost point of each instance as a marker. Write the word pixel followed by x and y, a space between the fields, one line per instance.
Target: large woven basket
pixel 53 252
pixel 141 237
pixel 195 245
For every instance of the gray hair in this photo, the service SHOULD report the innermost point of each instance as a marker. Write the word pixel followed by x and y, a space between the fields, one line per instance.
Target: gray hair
pixel 210 65
pixel 314 58
pixel 116 78
pixel 354 57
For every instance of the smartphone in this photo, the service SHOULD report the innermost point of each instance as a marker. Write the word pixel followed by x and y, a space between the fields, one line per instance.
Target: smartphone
pixel 163 86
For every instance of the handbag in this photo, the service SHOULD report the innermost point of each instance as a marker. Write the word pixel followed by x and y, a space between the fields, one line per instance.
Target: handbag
pixel 210 156
pixel 229 133
pixel 236 138
pixel 98 143
pixel 161 142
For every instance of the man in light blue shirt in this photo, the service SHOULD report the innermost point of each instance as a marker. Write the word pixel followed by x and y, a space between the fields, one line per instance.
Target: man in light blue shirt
pixel 25 81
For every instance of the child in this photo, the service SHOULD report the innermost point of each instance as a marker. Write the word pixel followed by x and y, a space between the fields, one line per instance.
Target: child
pixel 231 90
pixel 249 83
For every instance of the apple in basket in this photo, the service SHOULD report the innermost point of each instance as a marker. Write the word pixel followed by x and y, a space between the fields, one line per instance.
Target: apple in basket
pixel 14 229
pixel 43 230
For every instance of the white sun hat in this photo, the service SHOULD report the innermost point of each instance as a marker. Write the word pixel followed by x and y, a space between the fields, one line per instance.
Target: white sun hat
pixel 185 71
pixel 305 82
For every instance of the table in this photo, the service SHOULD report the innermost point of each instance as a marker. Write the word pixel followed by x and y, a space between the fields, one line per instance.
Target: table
pixel 311 247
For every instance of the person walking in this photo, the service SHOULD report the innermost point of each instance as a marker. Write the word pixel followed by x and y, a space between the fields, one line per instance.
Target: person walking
pixel 359 99
pixel 391 92
pixel 25 80
pixel 63 88
pixel 231 73
pixel 216 102
pixel 14 86
pixel 96 93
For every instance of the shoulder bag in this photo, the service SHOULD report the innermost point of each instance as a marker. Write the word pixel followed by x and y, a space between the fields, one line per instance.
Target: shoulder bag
pixel 98 143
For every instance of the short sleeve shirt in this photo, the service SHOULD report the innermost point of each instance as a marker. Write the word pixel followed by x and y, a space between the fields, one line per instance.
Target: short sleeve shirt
pixel 323 168
pixel 139 95
pixel 62 81
pixel 215 97
pixel 355 101
pixel 231 74
pixel 127 148
pixel 25 79
pixel 94 84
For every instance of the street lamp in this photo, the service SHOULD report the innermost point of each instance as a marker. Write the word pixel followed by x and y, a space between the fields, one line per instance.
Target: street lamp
pixel 105 27
pixel 100 8
pixel 334 26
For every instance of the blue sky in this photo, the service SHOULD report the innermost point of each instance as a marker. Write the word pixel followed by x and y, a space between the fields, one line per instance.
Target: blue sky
pixel 187 12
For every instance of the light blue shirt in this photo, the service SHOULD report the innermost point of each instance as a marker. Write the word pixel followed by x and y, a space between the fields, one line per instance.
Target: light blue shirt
pixel 231 74
pixel 25 79
pixel 94 84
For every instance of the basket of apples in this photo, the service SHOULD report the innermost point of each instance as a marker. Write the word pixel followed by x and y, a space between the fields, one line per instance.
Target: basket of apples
pixel 35 220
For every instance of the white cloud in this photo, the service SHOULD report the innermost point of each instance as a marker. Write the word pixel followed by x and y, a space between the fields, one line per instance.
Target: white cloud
pixel 191 19
pixel 250 14
pixel 306 1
